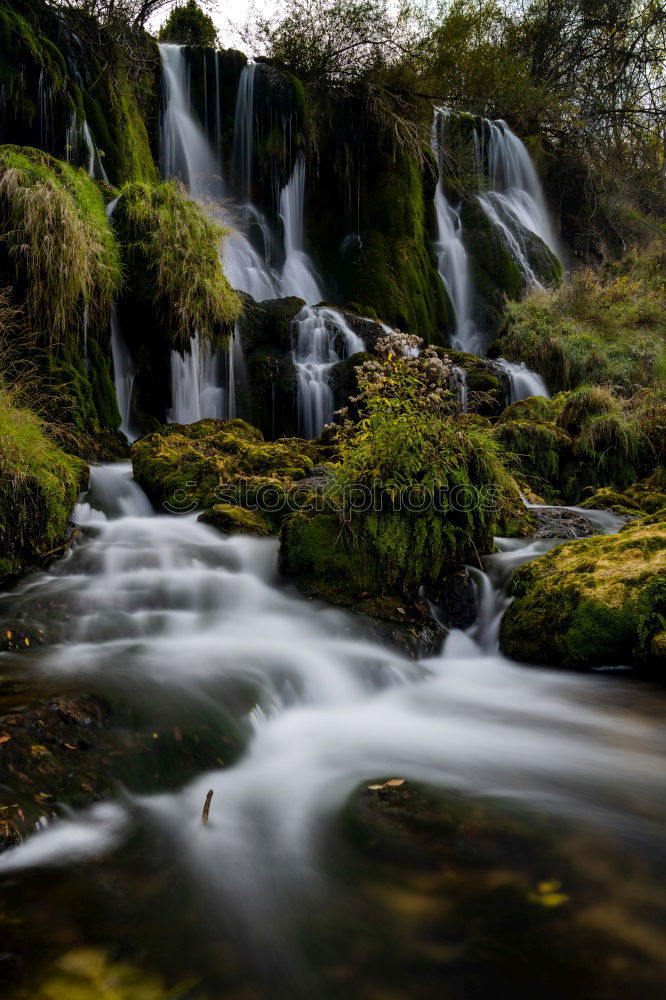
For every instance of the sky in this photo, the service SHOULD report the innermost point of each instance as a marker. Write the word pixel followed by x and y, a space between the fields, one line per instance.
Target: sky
pixel 230 12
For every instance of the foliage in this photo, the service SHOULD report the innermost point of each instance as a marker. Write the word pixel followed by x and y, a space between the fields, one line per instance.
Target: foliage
pixel 58 243
pixel 397 490
pixel 605 326
pixel 118 13
pixel 187 24
pixel 172 253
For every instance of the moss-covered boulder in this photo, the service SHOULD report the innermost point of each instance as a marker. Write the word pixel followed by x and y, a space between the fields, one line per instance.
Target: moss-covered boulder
pixel 375 244
pixel 593 602
pixel 39 485
pixel 534 451
pixel 215 463
pixel 645 497
pixel 232 520
pixel 487 384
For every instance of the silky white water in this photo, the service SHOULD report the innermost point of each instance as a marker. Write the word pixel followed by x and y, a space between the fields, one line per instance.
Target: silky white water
pixel 452 258
pixel 170 613
pixel 322 337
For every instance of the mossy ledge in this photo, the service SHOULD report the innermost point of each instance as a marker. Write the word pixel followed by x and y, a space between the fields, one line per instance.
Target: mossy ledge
pixel 214 465
pixel 594 602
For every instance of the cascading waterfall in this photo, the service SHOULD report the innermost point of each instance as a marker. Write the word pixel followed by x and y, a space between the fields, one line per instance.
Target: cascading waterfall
pixel 298 273
pixel 123 377
pixel 452 257
pixel 509 167
pixel 522 380
pixel 95 166
pixel 322 337
pixel 184 149
pixel 243 142
pixel 196 390
pixel 514 200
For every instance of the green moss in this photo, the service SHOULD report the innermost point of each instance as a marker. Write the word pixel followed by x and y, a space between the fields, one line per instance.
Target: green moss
pixel 391 270
pixel 596 601
pixel 171 253
pixel 236 520
pixel 39 484
pixel 535 451
pixel 495 274
pixel 217 462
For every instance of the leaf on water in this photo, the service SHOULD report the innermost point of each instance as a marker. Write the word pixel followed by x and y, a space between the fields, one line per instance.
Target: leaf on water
pixel 27 641
pixel 69 746
pixel 547 894
pixel 4 737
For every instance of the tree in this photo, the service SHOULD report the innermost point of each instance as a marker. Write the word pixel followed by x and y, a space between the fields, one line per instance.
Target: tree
pixel 123 13
pixel 187 24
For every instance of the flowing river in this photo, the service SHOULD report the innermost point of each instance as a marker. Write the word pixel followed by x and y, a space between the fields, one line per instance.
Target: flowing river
pixel 306 882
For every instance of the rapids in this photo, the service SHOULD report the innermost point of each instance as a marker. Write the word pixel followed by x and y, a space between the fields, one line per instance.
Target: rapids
pixel 181 619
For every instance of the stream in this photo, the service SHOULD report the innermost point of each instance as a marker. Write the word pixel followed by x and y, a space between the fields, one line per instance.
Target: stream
pixel 277 894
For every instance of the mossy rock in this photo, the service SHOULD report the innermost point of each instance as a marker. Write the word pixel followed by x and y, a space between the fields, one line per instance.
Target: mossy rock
pixel 487 385
pixel 495 274
pixel 214 462
pixel 592 602
pixel 39 485
pixel 640 498
pixel 233 520
pixel 386 267
pixel 535 452
pixel 268 325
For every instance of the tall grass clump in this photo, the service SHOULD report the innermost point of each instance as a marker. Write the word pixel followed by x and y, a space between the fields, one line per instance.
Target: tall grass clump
pixel 172 252
pixel 59 251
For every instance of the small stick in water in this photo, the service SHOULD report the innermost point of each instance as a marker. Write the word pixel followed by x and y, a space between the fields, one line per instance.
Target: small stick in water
pixel 206 808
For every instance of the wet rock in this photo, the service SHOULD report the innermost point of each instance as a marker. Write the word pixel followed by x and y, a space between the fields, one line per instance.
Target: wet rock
pixel 560 522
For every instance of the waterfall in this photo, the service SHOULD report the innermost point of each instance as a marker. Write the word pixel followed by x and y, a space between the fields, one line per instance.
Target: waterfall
pixel 298 273
pixel 460 376
pixel 236 375
pixel 45 114
pixel 321 338
pixel 195 384
pixel 514 200
pixel 184 149
pixel 95 167
pixel 452 257
pixel 523 381
pixel 123 377
pixel 243 141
